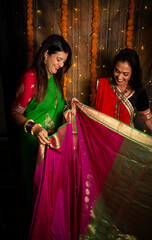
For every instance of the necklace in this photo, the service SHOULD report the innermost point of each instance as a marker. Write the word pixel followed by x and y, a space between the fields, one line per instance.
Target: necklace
pixel 55 95
pixel 120 94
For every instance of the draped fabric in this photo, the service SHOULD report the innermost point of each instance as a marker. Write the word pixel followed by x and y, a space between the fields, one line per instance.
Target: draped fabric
pixel 44 113
pixel 94 181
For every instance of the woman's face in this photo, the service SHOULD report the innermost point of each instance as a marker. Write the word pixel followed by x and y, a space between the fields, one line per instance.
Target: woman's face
pixel 55 61
pixel 122 74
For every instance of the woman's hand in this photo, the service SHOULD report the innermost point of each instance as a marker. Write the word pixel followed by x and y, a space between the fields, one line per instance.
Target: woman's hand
pixel 73 105
pixel 41 135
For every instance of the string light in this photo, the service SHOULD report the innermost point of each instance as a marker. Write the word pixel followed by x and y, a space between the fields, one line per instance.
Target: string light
pixel 39 11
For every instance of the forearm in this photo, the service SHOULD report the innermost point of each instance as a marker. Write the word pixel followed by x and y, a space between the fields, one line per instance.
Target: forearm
pixel 149 124
pixel 18 119
pixel 146 116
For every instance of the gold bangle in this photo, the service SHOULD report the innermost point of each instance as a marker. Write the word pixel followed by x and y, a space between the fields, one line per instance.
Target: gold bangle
pixel 35 125
pixel 25 123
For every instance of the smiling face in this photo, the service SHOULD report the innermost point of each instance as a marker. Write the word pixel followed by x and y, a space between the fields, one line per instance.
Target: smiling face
pixel 54 61
pixel 122 74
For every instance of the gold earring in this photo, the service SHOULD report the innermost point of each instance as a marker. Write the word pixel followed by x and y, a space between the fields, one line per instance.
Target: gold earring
pixel 45 60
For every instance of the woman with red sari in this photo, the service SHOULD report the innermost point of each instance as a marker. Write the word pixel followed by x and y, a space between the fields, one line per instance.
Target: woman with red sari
pixel 38 105
pixel 123 94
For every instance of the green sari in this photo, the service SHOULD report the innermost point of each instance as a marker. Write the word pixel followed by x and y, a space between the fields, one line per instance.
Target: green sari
pixel 50 118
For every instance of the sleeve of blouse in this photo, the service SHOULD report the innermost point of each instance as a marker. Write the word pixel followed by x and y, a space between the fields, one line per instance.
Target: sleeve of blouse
pixel 25 92
pixel 142 101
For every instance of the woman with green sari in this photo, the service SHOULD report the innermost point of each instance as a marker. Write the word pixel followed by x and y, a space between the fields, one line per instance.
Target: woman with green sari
pixel 39 102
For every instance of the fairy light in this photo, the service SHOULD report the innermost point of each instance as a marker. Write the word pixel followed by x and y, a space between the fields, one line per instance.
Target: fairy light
pixel 39 11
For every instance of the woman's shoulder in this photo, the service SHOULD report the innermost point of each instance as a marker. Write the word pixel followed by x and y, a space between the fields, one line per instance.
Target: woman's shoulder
pixel 105 80
pixel 29 75
pixel 31 72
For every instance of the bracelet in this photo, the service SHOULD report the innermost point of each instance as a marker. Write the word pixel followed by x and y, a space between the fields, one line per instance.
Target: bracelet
pixel 28 125
pixel 33 127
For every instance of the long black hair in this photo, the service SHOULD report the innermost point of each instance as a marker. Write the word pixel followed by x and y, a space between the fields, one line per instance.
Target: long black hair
pixel 54 43
pixel 130 56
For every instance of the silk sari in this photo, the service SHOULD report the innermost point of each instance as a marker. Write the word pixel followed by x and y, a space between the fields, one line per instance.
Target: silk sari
pixel 94 181
pixel 109 100
pixel 50 118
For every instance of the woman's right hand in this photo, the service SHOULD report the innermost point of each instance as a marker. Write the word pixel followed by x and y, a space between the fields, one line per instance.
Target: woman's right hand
pixel 41 135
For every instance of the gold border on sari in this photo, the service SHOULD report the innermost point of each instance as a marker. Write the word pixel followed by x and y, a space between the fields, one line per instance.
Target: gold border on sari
pixel 126 103
pixel 117 126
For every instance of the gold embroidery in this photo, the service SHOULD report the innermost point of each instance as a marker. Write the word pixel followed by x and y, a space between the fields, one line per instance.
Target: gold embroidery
pixel 87 191
pixel 88 184
pixel 49 124
pixel 86 199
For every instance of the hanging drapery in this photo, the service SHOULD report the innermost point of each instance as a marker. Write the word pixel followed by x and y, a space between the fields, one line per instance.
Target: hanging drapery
pixel 94 181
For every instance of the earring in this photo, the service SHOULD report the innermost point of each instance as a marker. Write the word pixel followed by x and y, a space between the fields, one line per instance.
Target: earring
pixel 45 60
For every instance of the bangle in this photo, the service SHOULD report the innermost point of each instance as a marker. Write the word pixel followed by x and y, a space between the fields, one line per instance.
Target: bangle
pixel 33 127
pixel 28 125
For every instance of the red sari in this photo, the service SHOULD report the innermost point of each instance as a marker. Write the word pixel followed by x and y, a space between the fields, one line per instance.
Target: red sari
pixel 107 99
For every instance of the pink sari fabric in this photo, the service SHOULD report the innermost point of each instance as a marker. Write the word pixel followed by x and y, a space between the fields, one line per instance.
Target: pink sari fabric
pixel 76 175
